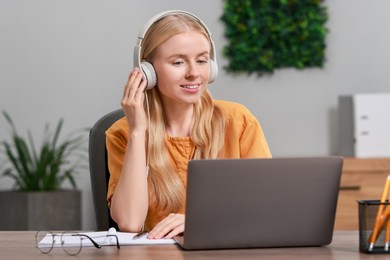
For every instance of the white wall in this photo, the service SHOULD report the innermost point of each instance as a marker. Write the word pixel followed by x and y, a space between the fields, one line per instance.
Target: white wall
pixel 71 59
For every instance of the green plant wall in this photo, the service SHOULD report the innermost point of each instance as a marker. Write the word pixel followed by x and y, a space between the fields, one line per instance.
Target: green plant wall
pixel 264 35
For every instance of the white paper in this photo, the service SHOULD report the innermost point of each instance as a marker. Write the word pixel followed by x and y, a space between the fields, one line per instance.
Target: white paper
pixel 101 238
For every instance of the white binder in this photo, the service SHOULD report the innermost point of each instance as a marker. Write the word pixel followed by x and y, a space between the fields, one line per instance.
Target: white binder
pixel 372 124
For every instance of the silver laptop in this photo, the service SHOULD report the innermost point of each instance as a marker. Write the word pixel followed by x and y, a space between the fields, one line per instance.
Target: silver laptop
pixel 252 203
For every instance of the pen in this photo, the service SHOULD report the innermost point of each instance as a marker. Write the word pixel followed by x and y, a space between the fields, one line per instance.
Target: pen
pixel 140 234
pixel 379 217
pixel 387 236
pixel 379 225
pixel 387 240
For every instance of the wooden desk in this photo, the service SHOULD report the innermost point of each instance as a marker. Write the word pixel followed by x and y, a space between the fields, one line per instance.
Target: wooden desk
pixel 362 179
pixel 21 245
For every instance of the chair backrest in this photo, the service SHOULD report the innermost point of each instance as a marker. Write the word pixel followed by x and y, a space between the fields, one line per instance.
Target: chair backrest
pixel 98 167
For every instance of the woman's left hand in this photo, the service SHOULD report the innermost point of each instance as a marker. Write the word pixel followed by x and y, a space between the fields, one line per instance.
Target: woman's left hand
pixel 168 227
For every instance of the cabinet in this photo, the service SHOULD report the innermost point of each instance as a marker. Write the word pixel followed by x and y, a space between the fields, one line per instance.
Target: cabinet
pixel 361 179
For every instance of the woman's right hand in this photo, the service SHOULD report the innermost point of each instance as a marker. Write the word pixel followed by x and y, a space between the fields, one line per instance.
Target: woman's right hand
pixel 133 101
pixel 129 203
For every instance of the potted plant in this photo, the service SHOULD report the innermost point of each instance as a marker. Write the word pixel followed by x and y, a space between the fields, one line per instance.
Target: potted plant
pixel 37 200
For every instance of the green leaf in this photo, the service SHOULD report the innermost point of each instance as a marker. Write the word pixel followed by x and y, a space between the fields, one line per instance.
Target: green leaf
pixel 294 31
pixel 45 167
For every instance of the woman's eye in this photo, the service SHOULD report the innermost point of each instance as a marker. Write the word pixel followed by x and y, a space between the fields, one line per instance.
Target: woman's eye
pixel 177 62
pixel 202 61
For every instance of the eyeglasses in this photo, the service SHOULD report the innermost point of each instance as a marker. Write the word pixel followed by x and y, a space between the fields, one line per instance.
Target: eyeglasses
pixel 71 242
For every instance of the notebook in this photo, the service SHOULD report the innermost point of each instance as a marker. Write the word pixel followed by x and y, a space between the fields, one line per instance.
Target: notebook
pixel 256 203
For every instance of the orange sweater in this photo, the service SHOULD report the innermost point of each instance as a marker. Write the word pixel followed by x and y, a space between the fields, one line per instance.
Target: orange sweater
pixel 244 138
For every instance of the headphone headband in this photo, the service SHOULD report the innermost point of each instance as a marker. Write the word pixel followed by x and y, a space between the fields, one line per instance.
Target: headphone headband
pixel 137 49
pixel 161 15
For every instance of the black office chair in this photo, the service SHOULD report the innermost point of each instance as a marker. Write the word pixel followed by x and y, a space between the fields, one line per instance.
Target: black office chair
pixel 99 170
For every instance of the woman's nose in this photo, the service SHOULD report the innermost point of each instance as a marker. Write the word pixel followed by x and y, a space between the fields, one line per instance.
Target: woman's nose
pixel 192 70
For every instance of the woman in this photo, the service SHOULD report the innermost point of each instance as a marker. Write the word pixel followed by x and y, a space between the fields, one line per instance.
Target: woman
pixel 185 123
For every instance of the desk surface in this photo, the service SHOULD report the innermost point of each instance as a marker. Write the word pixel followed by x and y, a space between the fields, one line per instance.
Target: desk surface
pixel 21 245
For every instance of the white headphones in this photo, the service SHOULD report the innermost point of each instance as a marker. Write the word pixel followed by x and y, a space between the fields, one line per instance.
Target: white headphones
pixel 148 69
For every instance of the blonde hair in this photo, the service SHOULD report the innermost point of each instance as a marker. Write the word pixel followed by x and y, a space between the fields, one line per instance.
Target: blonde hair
pixel 166 189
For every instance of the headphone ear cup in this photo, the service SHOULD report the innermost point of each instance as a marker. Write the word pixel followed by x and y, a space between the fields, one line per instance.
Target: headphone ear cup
pixel 150 74
pixel 213 71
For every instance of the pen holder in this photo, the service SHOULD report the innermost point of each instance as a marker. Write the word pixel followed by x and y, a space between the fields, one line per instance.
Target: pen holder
pixel 368 211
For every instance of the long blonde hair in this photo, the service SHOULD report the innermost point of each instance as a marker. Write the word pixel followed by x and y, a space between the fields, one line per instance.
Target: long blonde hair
pixel 166 189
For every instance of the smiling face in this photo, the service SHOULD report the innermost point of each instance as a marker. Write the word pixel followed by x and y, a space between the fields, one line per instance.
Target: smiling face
pixel 182 64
